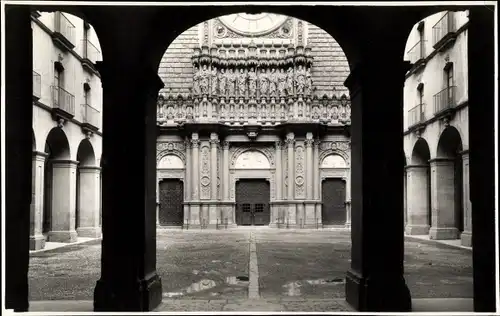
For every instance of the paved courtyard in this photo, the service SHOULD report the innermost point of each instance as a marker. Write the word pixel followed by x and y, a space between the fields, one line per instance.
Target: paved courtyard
pixel 213 266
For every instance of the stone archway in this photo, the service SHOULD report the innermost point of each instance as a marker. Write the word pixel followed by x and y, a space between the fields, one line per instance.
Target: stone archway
pixel 60 189
pixel 447 185
pixel 87 192
pixel 171 188
pixel 418 190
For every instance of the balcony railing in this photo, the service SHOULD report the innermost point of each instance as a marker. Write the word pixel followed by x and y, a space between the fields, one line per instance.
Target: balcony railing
pixel 445 26
pixel 90 51
pixel 416 115
pixel 91 116
pixel 37 85
pixel 64 30
pixel 444 100
pixel 63 100
pixel 417 53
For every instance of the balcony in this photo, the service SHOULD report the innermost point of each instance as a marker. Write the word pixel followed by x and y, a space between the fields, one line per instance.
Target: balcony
pixel 64 32
pixel 37 86
pixel 444 103
pixel 416 54
pixel 63 105
pixel 444 32
pixel 416 118
pixel 91 119
pixel 90 55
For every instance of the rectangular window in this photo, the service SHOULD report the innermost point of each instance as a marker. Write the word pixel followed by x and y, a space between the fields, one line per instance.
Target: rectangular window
pixel 245 208
pixel 259 208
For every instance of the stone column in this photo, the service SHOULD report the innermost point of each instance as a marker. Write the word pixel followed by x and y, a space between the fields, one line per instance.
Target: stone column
pixel 18 154
pixel 195 183
pixel 279 172
pixel 225 182
pixel 417 185
pixel 317 183
pixel 310 166
pixel 129 281
pixel 292 215
pixel 443 199
pixel 375 280
pixel 481 90
pixel 405 198
pixel 467 206
pixel 37 240
pixel 63 201
pixel 213 210
pixel 187 182
pixel 89 202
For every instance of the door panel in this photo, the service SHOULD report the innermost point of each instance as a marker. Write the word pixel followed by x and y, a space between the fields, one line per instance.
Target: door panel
pixel 252 198
pixel 171 199
pixel 333 195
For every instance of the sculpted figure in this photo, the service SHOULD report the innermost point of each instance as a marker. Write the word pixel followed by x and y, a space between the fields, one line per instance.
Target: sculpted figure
pixel 204 76
pixel 214 82
pixel 289 81
pixel 263 82
pixel 222 81
pixel 252 83
pixel 273 82
pixel 241 82
pixel 231 80
pixel 196 80
pixel 309 82
pixel 300 80
pixel 281 82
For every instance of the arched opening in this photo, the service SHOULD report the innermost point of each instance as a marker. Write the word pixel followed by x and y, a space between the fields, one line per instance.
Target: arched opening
pixel 450 167
pixel 87 191
pixel 171 174
pixel 418 177
pixel 334 186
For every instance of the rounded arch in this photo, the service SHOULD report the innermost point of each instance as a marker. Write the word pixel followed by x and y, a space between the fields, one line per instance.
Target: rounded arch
pixel 85 154
pixel 340 153
pixel 169 152
pixel 449 144
pixel 252 159
pixel 171 161
pixel 333 161
pixel 240 150
pixel 57 144
pixel 420 154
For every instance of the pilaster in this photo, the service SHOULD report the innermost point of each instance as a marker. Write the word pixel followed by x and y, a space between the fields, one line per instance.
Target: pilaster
pixel 466 235
pixel 37 240
pixel 310 166
pixel 418 199
pixel 213 209
pixel 279 171
pixel 195 176
pixel 292 215
pixel 89 202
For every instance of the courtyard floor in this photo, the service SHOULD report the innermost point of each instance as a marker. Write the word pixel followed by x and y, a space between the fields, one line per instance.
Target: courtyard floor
pixel 209 270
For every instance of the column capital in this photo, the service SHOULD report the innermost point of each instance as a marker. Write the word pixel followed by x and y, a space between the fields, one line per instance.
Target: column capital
pixel 39 155
pixel 279 144
pixel 464 153
pixel 413 167
pixel 225 145
pixel 309 143
pixel 90 169
pixel 195 143
pixel 440 161
pixel 65 163
pixel 317 142
pixel 115 74
pixel 365 73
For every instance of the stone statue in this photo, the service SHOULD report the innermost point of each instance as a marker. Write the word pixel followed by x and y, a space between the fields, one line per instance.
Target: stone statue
pixel 196 80
pixel 263 82
pixel 289 81
pixel 281 82
pixel 231 80
pixel 204 80
pixel 309 82
pixel 222 81
pixel 273 82
pixel 241 81
pixel 300 80
pixel 252 83
pixel 214 83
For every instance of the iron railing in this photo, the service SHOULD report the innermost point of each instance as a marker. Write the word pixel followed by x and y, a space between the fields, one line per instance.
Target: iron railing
pixel 63 100
pixel 444 99
pixel 37 85
pixel 417 52
pixel 64 26
pixel 91 115
pixel 90 51
pixel 416 115
pixel 444 26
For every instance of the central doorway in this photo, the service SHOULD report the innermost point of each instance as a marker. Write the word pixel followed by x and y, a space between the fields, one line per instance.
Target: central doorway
pixel 334 209
pixel 171 202
pixel 252 202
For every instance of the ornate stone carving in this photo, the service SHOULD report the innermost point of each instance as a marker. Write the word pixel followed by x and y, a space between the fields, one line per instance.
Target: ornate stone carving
pixel 281 78
pixel 252 159
pixel 231 82
pixel 263 82
pixel 300 80
pixel 222 82
pixel 205 181
pixel 252 83
pixel 299 172
pixel 214 80
pixel 205 172
pixel 241 81
pixel 170 148
pixel 195 143
pixel 196 80
pixel 273 82
pixel 289 81
pixel 236 152
pixel 309 142
pixel 225 145
pixel 333 161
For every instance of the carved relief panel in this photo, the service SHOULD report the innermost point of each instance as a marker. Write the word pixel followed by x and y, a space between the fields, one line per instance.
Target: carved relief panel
pixel 299 172
pixel 205 172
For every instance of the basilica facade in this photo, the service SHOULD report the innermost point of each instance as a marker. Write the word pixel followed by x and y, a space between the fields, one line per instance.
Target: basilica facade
pixel 253 126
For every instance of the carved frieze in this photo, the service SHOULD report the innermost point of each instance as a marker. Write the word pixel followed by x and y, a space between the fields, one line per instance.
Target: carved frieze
pixel 299 172
pixel 170 148
pixel 205 172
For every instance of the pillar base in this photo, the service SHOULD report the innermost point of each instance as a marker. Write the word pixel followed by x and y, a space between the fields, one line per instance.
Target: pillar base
pixel 90 232
pixel 417 229
pixel 382 294
pixel 443 233
pixel 144 295
pixel 466 238
pixel 37 242
pixel 63 236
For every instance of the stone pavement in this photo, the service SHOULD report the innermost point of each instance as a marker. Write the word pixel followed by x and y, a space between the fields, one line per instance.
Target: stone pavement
pixel 248 269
